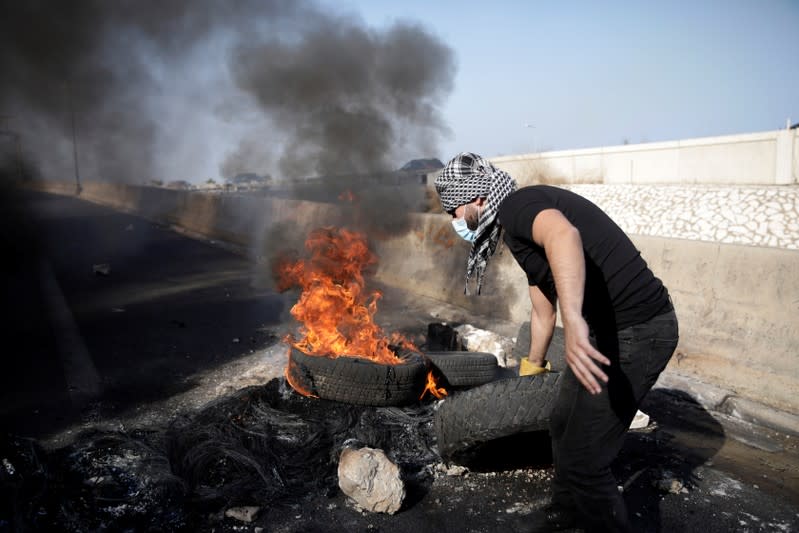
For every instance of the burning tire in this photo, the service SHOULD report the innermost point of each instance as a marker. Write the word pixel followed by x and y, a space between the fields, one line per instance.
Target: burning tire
pixel 464 369
pixel 358 381
pixel 468 419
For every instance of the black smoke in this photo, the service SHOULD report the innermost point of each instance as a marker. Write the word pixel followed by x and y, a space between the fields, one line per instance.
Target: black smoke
pixel 345 95
pixel 168 89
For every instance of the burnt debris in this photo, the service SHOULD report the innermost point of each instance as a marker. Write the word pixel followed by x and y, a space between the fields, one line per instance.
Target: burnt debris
pixel 262 445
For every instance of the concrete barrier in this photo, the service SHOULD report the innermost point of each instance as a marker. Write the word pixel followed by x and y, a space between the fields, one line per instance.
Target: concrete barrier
pixel 763 158
pixel 738 309
pixel 737 305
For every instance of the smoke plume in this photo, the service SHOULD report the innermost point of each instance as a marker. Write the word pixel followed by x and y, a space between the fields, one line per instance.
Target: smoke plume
pixel 194 89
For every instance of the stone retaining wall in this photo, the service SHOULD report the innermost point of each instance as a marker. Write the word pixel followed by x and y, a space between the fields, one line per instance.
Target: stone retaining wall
pixel 754 216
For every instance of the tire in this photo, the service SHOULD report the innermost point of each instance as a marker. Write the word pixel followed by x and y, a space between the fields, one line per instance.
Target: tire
pixel 464 369
pixel 359 381
pixel 468 419
pixel 555 353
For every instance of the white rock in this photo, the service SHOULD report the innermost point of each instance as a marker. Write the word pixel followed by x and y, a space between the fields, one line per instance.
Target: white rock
pixel 452 470
pixel 670 485
pixel 243 514
pixel 777 228
pixel 481 340
pixel 640 420
pixel 457 470
pixel 371 480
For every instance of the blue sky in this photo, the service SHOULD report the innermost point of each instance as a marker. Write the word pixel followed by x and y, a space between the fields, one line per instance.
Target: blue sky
pixel 586 74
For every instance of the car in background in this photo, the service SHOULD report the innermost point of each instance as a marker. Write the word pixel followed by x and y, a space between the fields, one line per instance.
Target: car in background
pixel 419 169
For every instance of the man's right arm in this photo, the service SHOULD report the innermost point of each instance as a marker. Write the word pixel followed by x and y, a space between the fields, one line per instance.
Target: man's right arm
pixel 542 325
pixel 562 244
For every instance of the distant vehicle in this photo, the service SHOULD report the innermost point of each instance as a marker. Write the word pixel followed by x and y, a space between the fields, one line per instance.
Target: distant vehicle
pixel 420 168
pixel 426 165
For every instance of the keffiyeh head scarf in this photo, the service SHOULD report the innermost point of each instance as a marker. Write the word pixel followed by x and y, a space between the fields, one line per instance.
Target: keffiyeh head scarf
pixel 466 177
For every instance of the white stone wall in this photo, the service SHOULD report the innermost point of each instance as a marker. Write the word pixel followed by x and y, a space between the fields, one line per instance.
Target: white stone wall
pixel 748 215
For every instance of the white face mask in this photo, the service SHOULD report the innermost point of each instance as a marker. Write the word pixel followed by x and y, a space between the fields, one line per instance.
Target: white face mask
pixel 463 230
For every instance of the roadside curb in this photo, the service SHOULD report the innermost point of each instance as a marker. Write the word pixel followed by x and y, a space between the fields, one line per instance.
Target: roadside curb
pixel 727 404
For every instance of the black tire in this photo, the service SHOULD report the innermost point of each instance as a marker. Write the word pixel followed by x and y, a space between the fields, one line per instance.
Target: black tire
pixel 555 353
pixel 359 381
pixel 492 411
pixel 464 369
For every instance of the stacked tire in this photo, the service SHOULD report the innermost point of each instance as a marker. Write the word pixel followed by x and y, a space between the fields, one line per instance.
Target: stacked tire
pixel 463 369
pixel 359 381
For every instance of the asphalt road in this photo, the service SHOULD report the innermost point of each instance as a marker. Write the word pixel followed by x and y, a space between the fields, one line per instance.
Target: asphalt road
pixel 107 315
pixel 106 309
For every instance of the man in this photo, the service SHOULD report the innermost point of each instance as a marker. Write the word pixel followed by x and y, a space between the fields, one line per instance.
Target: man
pixel 619 325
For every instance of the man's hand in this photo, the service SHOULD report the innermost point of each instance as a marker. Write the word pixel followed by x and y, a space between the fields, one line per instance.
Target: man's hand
pixel 580 355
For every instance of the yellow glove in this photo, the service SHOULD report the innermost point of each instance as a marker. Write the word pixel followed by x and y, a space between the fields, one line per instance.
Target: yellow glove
pixel 526 368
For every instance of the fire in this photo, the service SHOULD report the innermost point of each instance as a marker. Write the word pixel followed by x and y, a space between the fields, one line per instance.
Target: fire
pixel 433 388
pixel 291 381
pixel 336 313
pixel 347 196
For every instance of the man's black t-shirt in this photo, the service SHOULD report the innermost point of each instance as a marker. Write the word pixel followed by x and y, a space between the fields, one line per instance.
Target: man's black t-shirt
pixel 620 290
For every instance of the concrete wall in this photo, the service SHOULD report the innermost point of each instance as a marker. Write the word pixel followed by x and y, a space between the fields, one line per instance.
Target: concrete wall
pixel 767 158
pixel 738 309
pixel 738 305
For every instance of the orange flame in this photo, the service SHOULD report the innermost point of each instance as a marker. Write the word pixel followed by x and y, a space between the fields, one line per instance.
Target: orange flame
pixel 288 373
pixel 433 388
pixel 347 196
pixel 336 313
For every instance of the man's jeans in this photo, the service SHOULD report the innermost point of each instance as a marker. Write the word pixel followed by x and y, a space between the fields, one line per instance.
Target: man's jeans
pixel 588 431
